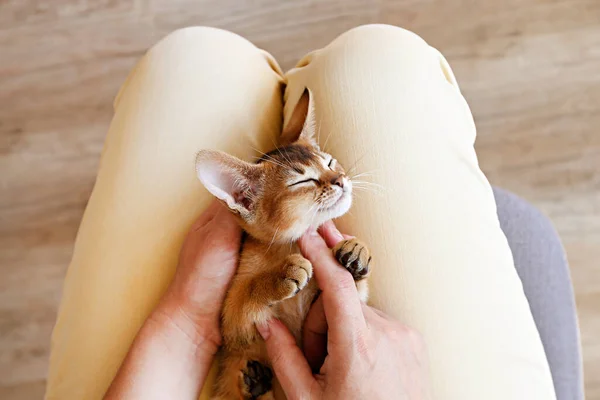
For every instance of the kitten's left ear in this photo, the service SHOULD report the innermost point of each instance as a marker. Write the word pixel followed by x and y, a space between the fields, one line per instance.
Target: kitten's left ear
pixel 230 179
pixel 301 125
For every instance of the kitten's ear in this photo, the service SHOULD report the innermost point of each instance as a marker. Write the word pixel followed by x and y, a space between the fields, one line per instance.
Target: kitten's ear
pixel 302 123
pixel 230 179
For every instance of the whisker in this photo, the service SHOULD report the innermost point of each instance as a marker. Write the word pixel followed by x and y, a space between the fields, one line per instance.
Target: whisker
pixel 309 210
pixel 366 173
pixel 272 240
pixel 319 131
pixel 269 158
pixel 275 162
pixel 370 189
pixel 361 174
pixel 367 183
pixel 312 218
pixel 327 141
pixel 279 151
pixel 355 164
pixel 354 167
pixel 260 152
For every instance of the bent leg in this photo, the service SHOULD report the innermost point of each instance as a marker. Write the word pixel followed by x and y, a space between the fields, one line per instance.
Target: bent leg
pixel 542 265
pixel 387 104
pixel 197 88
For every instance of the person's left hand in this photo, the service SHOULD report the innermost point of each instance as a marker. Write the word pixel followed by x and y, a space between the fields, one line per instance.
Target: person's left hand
pixel 207 262
pixel 172 352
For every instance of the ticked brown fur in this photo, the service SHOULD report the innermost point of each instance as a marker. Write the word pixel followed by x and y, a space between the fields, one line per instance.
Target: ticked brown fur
pixel 288 191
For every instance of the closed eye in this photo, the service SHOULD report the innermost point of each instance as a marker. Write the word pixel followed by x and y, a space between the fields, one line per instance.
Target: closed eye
pixel 330 163
pixel 316 182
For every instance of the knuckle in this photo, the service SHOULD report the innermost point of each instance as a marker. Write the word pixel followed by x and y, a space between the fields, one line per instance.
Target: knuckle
pixel 277 358
pixel 361 346
pixel 364 350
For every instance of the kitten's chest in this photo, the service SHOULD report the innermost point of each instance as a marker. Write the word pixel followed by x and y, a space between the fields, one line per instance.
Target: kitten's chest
pixel 258 260
pixel 292 312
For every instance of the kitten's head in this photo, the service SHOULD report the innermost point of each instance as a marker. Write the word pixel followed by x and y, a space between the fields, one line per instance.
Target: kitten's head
pixel 288 190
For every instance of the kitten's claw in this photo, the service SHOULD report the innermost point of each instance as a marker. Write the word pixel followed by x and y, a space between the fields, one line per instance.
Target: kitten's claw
pixel 296 274
pixel 256 380
pixel 353 255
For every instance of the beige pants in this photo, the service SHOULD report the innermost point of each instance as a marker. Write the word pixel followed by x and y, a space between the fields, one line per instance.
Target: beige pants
pixel 386 103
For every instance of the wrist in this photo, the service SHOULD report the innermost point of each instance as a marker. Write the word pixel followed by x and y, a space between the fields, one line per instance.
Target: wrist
pixel 176 316
pixel 170 354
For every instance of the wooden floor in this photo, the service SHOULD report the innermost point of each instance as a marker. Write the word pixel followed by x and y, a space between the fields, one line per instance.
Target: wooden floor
pixel 530 70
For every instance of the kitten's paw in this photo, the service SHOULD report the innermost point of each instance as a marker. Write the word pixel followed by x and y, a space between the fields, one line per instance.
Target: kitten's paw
pixel 354 256
pixel 256 380
pixel 295 275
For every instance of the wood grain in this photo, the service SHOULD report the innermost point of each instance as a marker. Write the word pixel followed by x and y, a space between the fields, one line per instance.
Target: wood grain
pixel 530 70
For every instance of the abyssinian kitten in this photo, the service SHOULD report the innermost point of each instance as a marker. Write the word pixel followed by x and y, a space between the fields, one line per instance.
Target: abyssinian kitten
pixel 287 191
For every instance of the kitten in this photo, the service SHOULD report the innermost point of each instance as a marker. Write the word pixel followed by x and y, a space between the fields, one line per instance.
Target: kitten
pixel 277 199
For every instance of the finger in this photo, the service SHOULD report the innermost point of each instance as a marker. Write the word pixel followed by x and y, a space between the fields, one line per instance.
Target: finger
pixel 331 234
pixel 341 303
pixel 225 234
pixel 209 257
pixel 224 218
pixel 290 366
pixel 206 216
pixel 314 335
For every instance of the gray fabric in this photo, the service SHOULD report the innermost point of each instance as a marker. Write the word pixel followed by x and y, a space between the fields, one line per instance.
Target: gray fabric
pixel 541 263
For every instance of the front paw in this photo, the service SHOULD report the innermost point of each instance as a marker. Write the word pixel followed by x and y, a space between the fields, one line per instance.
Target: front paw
pixel 294 276
pixel 354 256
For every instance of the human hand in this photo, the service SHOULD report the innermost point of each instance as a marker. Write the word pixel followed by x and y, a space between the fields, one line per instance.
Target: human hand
pixel 207 262
pixel 172 352
pixel 367 355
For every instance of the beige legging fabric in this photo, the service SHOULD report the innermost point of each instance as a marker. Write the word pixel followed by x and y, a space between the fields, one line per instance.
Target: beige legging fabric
pixel 386 104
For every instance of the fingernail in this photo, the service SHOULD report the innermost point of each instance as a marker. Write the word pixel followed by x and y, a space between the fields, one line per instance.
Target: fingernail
pixel 264 329
pixel 313 232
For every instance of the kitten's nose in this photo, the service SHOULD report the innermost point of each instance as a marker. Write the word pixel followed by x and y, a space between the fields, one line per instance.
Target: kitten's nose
pixel 338 180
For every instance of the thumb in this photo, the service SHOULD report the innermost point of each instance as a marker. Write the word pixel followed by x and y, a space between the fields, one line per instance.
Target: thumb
pixel 287 360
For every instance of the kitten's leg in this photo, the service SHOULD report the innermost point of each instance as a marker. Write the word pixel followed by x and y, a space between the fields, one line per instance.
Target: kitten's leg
pixel 354 255
pixel 256 380
pixel 248 302
pixel 241 378
pixel 249 299
pixel 284 282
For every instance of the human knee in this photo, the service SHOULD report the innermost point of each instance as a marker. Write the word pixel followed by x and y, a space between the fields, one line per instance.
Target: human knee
pixel 201 39
pixel 380 35
pixel 378 40
pixel 392 54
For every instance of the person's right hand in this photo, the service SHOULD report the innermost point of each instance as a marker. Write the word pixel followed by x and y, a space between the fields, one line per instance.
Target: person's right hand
pixel 368 355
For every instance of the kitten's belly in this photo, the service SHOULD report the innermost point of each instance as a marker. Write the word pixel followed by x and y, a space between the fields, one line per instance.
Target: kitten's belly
pixel 293 311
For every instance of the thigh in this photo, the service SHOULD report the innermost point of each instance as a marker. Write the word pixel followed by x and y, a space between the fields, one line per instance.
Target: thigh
pixel 388 105
pixel 197 88
pixel 542 265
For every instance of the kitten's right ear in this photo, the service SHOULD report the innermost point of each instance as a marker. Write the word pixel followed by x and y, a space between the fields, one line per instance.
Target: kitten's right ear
pixel 302 122
pixel 230 179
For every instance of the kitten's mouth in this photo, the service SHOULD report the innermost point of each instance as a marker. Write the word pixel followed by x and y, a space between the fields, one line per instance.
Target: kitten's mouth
pixel 344 196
